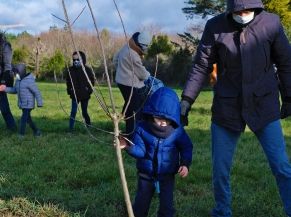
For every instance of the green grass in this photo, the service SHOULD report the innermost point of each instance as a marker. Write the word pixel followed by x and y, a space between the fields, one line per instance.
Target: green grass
pixel 62 174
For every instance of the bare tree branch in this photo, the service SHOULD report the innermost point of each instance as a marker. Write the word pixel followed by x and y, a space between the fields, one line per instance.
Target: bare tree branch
pixel 104 59
pixel 78 16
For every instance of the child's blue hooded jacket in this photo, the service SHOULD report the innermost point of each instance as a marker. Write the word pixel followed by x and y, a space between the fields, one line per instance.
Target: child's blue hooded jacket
pixel 160 156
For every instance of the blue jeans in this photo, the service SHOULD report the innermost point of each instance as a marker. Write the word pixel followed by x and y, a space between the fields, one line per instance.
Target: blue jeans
pixel 5 111
pixel 26 118
pixel 223 147
pixel 145 192
pixel 74 109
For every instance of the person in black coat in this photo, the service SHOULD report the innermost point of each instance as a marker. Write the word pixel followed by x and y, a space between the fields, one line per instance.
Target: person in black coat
pixel 79 87
pixel 6 80
pixel 246 43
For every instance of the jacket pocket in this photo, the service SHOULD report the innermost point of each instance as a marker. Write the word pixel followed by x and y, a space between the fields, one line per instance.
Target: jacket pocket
pixel 226 105
pixel 266 101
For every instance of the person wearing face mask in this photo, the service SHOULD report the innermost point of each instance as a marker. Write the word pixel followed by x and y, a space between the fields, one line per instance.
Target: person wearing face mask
pixel 131 74
pixel 246 43
pixel 79 87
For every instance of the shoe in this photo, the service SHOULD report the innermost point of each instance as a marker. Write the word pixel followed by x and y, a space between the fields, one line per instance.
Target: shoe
pixel 37 133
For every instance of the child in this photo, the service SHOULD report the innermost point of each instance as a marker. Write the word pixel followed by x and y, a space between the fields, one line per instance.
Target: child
pixel 162 148
pixel 27 93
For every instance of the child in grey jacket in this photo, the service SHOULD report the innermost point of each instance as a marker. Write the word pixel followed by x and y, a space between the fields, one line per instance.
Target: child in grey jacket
pixel 27 92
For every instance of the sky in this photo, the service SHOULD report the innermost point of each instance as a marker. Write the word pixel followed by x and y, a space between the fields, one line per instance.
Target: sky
pixel 36 15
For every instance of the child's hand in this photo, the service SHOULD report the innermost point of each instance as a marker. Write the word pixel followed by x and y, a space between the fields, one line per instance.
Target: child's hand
pixel 123 142
pixel 183 171
pixel 2 87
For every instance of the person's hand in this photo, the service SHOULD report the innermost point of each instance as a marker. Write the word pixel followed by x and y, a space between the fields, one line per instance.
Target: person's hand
pixel 183 171
pixel 123 143
pixel 8 78
pixel 2 87
pixel 185 108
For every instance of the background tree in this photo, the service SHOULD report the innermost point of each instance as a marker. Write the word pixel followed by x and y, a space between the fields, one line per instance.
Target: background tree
pixel 54 64
pixel 20 55
pixel 160 45
pixel 283 9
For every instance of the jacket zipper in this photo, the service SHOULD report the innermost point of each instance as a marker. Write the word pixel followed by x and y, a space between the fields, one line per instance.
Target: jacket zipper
pixel 156 164
pixel 243 35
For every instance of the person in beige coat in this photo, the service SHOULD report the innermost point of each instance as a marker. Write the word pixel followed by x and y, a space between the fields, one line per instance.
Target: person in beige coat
pixel 131 74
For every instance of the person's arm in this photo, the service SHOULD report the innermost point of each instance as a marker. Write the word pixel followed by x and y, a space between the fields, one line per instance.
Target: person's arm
pixel 68 81
pixel 10 90
pixel 281 54
pixel 185 147
pixel 7 77
pixel 202 66
pixel 35 91
pixel 139 69
pixel 138 148
pixel 91 76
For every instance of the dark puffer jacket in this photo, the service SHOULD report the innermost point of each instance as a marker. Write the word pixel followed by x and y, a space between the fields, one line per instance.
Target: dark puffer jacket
pixel 247 90
pixel 160 156
pixel 5 61
pixel 78 85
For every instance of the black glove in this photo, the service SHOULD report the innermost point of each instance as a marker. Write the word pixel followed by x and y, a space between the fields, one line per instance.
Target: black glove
pixel 185 108
pixel 8 78
pixel 285 110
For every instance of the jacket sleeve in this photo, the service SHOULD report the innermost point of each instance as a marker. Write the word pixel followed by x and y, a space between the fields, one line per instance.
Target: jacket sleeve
pixel 34 89
pixel 6 77
pixel 202 65
pixel 138 149
pixel 68 81
pixel 7 57
pixel 91 76
pixel 185 147
pixel 11 90
pixel 281 53
pixel 140 71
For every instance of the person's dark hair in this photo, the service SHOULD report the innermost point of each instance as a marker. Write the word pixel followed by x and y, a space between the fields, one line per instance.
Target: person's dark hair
pixel 83 56
pixel 135 37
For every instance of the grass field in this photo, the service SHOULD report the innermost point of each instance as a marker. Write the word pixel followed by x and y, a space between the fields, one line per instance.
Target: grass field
pixel 63 174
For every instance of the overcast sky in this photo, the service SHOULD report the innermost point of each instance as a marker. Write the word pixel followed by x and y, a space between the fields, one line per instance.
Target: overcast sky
pixel 36 14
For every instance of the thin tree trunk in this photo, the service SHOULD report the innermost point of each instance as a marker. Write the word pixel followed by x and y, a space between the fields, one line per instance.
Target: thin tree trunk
pixel 121 166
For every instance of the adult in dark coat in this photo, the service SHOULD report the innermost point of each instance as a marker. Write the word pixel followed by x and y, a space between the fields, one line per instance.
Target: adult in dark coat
pixel 79 87
pixel 246 43
pixel 6 79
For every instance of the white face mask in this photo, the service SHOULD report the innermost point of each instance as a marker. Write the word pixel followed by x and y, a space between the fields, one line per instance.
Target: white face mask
pixel 244 19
